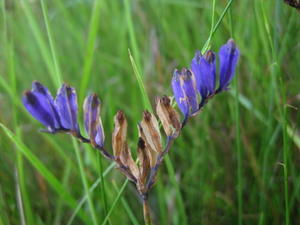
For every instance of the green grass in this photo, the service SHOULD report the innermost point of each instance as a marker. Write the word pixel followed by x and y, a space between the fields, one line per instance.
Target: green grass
pixel 235 163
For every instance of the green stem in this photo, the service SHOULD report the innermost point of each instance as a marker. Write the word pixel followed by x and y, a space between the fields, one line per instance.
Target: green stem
pixel 146 210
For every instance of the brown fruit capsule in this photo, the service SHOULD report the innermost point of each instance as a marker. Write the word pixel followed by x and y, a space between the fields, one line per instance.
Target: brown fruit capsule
pixel 144 161
pixel 151 154
pixel 151 131
pixel 119 134
pixel 168 116
pixel 121 151
pixel 126 160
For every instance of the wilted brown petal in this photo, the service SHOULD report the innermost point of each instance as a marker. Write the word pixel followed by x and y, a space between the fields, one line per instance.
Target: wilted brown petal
pixel 168 116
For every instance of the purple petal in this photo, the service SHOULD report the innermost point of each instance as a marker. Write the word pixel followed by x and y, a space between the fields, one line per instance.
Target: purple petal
pixel 208 74
pixel 179 94
pixel 188 84
pixel 204 68
pixel 229 55
pixel 66 104
pixel 92 121
pixel 195 67
pixel 35 105
pixel 47 102
pixel 184 88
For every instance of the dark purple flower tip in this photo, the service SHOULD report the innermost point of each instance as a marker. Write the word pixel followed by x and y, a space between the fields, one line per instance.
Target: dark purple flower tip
pixel 92 120
pixel 204 68
pixel 228 55
pixel 184 89
pixel 39 103
pixel 66 105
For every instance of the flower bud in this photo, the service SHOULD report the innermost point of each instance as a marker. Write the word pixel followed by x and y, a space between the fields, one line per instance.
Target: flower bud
pixel 40 104
pixel 66 104
pixel 204 68
pixel 92 121
pixel 228 55
pixel 184 89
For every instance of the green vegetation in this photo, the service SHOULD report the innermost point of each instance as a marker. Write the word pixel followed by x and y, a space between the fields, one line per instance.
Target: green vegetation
pixel 235 163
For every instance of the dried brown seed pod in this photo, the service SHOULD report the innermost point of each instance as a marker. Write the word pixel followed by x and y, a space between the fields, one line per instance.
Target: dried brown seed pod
pixel 149 132
pixel 168 116
pixel 152 155
pixel 121 151
pixel 127 161
pixel 144 160
pixel 150 127
pixel 119 134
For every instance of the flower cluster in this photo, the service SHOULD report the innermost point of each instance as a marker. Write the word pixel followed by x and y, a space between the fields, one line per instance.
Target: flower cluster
pixel 193 87
pixel 60 115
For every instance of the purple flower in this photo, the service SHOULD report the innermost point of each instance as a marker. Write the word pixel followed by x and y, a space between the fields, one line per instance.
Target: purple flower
pixel 40 104
pixel 184 89
pixel 204 68
pixel 228 55
pixel 92 121
pixel 66 105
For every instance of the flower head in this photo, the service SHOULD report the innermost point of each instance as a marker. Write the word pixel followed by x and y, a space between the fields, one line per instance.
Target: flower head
pixel 40 104
pixel 228 55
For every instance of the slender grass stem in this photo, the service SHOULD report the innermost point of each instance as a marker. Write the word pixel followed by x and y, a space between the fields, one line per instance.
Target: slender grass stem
pixel 115 201
pixel 90 48
pixel 84 181
pixel 127 208
pixel 239 157
pixel 139 78
pixel 102 185
pixel 285 154
pixel 19 200
pixel 52 48
pixel 39 166
pixel 238 140
pixel 85 197
pixel 206 45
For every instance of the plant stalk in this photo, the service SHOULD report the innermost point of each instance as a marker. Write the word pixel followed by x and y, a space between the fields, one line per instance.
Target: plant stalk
pixel 146 209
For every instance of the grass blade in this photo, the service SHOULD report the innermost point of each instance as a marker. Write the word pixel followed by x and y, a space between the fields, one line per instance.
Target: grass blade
pixel 58 79
pixel 90 50
pixel 39 166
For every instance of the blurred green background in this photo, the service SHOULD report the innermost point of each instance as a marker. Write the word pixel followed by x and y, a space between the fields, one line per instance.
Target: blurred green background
pixel 237 162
